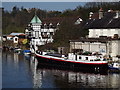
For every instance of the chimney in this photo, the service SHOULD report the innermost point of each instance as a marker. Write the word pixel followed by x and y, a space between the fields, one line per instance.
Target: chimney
pixel 90 15
pixel 100 13
pixel 117 14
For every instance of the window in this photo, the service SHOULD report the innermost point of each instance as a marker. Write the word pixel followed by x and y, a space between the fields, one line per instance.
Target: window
pixel 51 33
pixel 80 57
pixel 86 58
pixel 15 39
pixel 36 34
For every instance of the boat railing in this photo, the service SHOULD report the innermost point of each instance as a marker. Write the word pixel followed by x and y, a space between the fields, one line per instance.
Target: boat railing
pixel 97 59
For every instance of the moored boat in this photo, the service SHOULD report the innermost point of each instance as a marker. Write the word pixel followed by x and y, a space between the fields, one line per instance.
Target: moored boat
pixel 82 62
pixel 26 52
pixel 17 50
pixel 114 67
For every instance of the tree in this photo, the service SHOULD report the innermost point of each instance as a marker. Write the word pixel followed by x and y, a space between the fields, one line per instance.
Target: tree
pixel 68 31
pixel 15 10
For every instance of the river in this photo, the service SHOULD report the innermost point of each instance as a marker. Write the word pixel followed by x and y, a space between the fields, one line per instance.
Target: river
pixel 19 71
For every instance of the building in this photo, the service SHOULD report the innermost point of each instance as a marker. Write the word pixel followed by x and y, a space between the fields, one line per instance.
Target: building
pixel 104 46
pixel 104 34
pixel 40 33
pixel 15 38
pixel 104 24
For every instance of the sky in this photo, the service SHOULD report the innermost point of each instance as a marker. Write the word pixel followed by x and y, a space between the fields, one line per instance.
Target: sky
pixel 57 6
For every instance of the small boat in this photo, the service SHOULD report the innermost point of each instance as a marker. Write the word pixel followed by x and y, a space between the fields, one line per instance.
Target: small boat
pixel 26 52
pixel 77 61
pixel 17 50
pixel 11 48
pixel 114 66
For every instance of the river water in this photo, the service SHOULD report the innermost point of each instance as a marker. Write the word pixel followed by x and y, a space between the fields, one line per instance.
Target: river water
pixel 19 71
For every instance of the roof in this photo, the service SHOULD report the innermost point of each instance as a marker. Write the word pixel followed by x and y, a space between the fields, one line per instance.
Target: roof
pixel 54 21
pixel 10 36
pixel 101 39
pixel 95 16
pixel 108 21
pixel 22 34
pixel 14 34
pixel 36 20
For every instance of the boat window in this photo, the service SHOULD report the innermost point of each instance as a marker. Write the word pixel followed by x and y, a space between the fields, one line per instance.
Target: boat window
pixel 80 57
pixel 86 58
pixel 97 59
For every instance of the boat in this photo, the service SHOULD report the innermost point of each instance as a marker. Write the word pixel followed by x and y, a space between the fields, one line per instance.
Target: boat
pixel 114 67
pixel 76 61
pixel 17 50
pixel 26 52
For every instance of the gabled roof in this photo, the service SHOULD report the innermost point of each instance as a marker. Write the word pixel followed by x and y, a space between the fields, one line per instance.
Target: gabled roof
pixel 36 20
pixel 56 20
pixel 53 20
pixel 10 35
pixel 108 21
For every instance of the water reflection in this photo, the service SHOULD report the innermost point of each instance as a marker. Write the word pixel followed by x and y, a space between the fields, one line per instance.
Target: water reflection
pixel 15 71
pixel 36 75
pixel 20 71
pixel 16 60
pixel 45 77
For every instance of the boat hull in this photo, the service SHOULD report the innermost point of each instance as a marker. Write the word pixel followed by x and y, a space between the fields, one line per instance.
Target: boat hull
pixel 72 65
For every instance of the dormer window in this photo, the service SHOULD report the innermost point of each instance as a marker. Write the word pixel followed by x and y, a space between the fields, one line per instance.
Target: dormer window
pixel 45 25
pixel 78 21
pixel 50 25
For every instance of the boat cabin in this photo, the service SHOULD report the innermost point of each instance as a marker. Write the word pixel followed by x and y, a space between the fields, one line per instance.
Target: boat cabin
pixel 72 56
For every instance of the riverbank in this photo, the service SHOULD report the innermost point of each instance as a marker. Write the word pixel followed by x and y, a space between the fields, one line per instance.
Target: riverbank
pixel 8 45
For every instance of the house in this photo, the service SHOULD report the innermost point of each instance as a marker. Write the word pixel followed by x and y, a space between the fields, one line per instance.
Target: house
pixel 16 37
pixel 104 24
pixel 40 33
pixel 106 46
pixel 104 34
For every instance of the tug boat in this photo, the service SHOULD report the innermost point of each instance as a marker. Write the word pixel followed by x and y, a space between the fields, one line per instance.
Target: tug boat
pixel 77 61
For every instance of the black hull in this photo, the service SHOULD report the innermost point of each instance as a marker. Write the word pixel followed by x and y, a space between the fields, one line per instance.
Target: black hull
pixel 72 66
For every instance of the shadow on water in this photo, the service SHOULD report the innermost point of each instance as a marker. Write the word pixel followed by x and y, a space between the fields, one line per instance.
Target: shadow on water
pixel 83 70
pixel 51 76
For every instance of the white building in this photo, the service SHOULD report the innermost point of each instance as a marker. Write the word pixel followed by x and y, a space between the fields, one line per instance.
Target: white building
pixel 103 46
pixel 104 34
pixel 39 33
pixel 96 33
pixel 104 24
